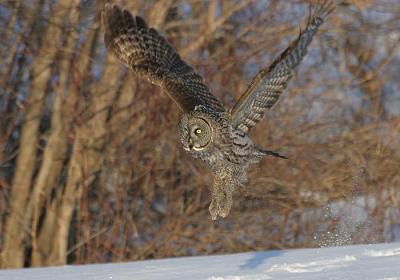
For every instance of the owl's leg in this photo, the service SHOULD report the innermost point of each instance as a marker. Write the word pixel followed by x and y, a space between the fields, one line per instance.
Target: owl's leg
pixel 221 203
pixel 221 196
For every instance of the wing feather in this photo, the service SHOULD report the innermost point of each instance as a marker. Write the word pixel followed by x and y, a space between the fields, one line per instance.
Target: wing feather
pixel 149 55
pixel 267 86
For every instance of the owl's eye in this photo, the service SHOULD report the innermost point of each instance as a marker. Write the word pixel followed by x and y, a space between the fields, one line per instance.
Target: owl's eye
pixel 197 131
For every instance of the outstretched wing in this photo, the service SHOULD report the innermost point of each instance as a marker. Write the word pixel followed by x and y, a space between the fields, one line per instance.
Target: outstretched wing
pixel 148 54
pixel 267 86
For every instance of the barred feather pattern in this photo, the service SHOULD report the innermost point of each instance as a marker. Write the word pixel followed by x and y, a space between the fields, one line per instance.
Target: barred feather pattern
pixel 148 54
pixel 268 85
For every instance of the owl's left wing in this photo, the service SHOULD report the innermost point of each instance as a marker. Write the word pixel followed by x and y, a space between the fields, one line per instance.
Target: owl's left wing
pixel 266 88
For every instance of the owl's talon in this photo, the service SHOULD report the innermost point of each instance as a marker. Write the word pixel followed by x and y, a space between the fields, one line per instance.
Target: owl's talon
pixel 213 211
pixel 224 214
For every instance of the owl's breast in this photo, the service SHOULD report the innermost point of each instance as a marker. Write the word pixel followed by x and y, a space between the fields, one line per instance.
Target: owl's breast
pixel 213 157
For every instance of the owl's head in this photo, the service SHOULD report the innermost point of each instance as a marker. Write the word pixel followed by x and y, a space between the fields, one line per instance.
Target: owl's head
pixel 196 133
pixel 197 130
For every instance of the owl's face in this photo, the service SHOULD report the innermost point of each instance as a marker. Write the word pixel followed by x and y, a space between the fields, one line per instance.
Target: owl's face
pixel 196 133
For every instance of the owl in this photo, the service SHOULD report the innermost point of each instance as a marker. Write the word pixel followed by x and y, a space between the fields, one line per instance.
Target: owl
pixel 207 130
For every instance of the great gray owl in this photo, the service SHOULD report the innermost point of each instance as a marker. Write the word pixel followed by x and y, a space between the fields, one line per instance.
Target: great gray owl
pixel 208 131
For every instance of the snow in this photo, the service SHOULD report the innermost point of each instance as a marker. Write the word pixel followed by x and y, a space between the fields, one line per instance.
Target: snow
pixel 376 261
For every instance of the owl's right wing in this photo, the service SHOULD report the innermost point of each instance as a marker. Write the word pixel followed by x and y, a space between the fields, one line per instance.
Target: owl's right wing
pixel 148 54
pixel 266 88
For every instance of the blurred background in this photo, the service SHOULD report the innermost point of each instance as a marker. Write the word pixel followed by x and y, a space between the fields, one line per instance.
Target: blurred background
pixel 91 168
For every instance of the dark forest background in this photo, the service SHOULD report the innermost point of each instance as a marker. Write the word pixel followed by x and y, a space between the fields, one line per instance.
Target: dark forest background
pixel 91 168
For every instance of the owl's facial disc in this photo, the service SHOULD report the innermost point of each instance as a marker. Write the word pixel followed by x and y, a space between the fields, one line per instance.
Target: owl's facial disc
pixel 200 134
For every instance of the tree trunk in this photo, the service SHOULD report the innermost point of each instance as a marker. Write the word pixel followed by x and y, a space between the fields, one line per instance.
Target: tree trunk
pixel 17 228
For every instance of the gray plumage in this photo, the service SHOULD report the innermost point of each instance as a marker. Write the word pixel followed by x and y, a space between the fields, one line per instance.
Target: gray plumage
pixel 207 130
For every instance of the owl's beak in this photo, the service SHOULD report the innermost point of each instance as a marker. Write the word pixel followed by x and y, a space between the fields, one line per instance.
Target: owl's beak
pixel 190 144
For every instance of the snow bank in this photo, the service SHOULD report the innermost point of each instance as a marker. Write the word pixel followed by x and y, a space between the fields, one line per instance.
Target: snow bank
pixel 378 261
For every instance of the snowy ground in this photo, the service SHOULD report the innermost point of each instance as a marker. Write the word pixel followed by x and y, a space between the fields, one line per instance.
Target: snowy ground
pixel 378 261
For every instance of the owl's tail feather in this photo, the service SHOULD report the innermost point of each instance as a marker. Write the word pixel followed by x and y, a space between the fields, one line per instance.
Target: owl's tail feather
pixel 271 153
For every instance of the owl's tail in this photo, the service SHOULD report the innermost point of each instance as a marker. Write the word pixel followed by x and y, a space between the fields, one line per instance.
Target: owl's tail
pixel 271 153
